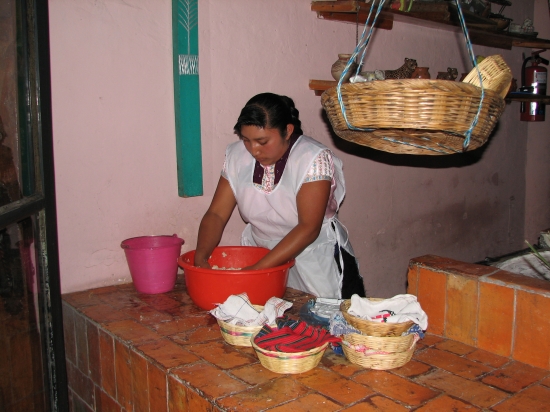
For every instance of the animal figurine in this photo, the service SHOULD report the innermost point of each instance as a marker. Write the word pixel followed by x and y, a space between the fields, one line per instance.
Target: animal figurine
pixel 373 75
pixel 450 74
pixel 404 72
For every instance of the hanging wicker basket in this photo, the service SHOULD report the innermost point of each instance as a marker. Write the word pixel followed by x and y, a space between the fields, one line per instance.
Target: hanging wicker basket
pixel 419 116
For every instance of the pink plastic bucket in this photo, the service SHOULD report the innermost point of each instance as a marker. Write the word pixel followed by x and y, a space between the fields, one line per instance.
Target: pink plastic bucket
pixel 153 262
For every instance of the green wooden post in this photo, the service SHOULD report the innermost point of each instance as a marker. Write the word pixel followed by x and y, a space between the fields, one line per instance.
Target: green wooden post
pixel 185 35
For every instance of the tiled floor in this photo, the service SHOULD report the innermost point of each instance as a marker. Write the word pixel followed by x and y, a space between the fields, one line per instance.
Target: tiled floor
pixel 132 352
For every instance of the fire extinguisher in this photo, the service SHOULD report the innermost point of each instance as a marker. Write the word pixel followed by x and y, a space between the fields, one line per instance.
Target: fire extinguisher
pixel 533 81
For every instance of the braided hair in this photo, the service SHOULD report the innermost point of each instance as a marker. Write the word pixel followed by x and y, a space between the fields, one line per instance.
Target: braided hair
pixel 269 111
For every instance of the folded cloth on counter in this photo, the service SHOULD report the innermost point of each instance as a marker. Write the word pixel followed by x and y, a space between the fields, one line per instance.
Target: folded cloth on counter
pixel 293 336
pixel 400 308
pixel 237 310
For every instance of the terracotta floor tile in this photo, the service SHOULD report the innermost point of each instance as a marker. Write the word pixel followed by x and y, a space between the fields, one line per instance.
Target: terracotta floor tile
pixel 429 340
pixel 532 326
pixel 446 403
pixel 178 326
pixel 94 357
pixel 123 375
pixel 107 366
pixel 455 347
pixel 515 376
pixel 131 331
pixel 412 280
pixel 312 402
pixel 334 386
pixel 462 309
pixel 221 354
pixel 487 358
pixel 159 301
pixel 432 298
pixel 197 403
pixel 376 403
pixel 69 333
pixel 81 339
pixel 526 282
pixel 121 300
pixel 453 363
pixel 198 335
pixel 411 369
pixel 469 391
pixel 156 380
pixel 254 374
pixel 546 382
pixel 103 313
pixel 339 364
pixel 269 395
pixel 78 382
pixel 213 382
pixel 167 353
pixel 80 299
pixel 147 315
pixel 453 266
pixel 177 396
pixel 533 399
pixel 140 386
pixel 105 403
pixel 495 332
pixel 396 387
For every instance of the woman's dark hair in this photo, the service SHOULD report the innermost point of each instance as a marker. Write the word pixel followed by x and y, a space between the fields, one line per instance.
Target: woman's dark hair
pixel 269 111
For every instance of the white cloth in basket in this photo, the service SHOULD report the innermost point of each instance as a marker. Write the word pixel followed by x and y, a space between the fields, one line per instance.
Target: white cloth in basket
pixel 400 308
pixel 237 310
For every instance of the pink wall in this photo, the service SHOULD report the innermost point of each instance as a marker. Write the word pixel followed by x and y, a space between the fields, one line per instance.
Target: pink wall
pixel 115 139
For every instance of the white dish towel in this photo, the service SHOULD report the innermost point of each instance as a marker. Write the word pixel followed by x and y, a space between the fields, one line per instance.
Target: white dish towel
pixel 400 308
pixel 237 310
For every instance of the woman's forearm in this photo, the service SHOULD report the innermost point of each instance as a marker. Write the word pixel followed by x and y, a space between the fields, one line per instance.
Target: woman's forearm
pixel 210 233
pixel 289 247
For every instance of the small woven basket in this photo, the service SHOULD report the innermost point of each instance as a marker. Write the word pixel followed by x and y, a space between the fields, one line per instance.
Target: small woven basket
pixel 382 361
pixel 283 362
pixel 239 335
pixel 370 328
pixel 420 116
pixel 495 73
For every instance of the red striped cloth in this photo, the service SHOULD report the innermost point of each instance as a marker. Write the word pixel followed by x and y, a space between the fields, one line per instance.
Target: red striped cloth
pixel 292 337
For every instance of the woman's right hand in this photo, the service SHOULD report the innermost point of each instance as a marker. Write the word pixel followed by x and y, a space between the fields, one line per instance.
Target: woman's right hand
pixel 203 264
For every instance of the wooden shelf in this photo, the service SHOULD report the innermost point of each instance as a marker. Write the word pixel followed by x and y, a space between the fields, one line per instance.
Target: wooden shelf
pixel 357 12
pixel 319 86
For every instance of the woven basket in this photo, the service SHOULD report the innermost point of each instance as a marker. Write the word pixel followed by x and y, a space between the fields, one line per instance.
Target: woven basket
pixel 370 328
pixel 378 361
pixel 283 362
pixel 418 116
pixel 239 335
pixel 495 73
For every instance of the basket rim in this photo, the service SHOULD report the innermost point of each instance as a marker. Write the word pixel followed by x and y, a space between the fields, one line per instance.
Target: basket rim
pixel 291 355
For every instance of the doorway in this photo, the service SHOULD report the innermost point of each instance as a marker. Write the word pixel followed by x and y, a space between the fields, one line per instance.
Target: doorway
pixel 32 362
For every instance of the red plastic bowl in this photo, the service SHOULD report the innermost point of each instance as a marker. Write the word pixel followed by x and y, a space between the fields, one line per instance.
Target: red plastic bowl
pixel 207 287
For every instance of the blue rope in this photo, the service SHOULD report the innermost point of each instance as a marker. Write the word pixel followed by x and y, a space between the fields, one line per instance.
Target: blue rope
pixel 468 133
pixel 362 47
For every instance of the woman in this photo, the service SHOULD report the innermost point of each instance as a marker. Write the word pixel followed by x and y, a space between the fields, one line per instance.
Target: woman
pixel 288 188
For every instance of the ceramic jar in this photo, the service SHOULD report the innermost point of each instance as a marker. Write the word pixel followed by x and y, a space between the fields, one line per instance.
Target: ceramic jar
pixel 339 66
pixel 421 73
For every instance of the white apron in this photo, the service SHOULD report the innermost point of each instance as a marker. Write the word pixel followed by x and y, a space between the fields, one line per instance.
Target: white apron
pixel 271 216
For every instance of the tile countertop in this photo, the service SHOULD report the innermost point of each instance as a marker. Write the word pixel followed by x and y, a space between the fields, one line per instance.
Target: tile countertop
pixel 133 352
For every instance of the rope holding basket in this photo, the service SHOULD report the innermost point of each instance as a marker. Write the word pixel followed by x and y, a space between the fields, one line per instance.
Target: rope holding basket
pixel 418 116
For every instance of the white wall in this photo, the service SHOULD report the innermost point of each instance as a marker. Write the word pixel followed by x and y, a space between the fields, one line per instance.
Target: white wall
pixel 115 140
